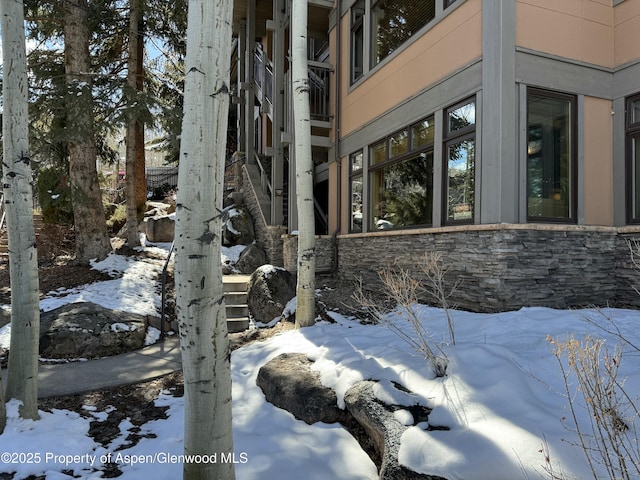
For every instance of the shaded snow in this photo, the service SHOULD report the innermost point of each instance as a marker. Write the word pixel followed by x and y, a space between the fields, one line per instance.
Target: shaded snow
pixel 502 398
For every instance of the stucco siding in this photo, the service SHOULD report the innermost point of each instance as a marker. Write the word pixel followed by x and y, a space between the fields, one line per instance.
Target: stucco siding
pixel 598 162
pixel 446 47
pixel 627 31
pixel 580 30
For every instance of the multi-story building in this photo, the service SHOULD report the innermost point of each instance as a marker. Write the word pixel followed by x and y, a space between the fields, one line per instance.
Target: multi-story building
pixel 503 133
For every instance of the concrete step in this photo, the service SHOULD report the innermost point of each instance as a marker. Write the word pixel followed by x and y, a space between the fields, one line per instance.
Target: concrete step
pixel 235 297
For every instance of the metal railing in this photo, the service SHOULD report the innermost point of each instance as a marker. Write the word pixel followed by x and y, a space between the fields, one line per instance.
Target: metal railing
pixel 319 90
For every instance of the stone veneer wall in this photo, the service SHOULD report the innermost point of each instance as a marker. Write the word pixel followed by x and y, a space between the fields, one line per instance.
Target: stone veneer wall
pixel 506 267
pixel 267 236
pixel 325 253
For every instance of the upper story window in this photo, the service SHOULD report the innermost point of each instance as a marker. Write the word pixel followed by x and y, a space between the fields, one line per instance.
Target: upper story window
pixel 394 21
pixel 378 28
pixel 633 158
pixel 357 41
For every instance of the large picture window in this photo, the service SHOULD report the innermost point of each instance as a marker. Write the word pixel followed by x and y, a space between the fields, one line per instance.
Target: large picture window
pixel 633 158
pixel 394 21
pixel 401 178
pixel 551 154
pixel 460 159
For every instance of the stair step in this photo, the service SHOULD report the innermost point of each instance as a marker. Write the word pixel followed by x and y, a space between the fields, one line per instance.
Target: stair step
pixel 237 310
pixel 236 298
pixel 235 325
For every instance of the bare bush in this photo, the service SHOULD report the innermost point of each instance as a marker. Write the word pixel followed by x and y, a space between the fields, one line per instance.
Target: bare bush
pixel 610 439
pixel 404 291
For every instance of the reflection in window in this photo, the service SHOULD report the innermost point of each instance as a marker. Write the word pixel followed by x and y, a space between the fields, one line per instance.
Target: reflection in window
pixel 357 41
pixel 394 21
pixel 355 189
pixel 635 175
pixel 422 134
pixel 462 117
pixel 550 165
pixel 633 159
pixel 635 112
pixel 399 144
pixel 460 159
pixel 402 193
pixel 379 152
pixel 461 180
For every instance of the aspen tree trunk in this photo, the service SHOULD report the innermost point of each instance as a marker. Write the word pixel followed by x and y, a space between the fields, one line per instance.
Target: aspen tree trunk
pixel 199 292
pixel 92 239
pixel 133 126
pixel 305 290
pixel 22 378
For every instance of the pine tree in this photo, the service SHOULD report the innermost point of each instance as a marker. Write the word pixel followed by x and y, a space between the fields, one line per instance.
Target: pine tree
pixel 92 240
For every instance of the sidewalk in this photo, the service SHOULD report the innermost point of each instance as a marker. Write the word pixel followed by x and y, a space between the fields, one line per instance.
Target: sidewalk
pixel 79 377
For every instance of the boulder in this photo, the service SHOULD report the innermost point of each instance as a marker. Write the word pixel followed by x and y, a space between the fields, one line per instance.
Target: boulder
pixel 270 289
pixel 237 226
pixel 288 382
pixel 251 259
pixel 87 330
pixel 384 429
pixel 160 229
pixel 234 198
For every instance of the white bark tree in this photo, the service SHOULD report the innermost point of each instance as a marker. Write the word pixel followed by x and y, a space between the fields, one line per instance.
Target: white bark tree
pixel 199 291
pixel 305 290
pixel 22 377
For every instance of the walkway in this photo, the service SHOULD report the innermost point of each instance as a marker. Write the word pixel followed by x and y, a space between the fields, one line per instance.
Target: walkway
pixel 151 362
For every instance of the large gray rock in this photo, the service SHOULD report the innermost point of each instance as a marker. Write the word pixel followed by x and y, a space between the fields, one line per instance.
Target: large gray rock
pixel 237 226
pixel 160 229
pixel 270 289
pixel 288 382
pixel 383 428
pixel 87 330
pixel 251 259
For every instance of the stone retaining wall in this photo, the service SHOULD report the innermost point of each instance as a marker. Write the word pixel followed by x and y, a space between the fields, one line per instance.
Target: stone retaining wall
pixel 267 236
pixel 506 267
pixel 325 252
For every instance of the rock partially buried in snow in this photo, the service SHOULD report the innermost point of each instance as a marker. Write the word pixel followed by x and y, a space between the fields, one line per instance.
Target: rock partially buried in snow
pixel 288 382
pixel 270 289
pixel 385 429
pixel 87 330
pixel 237 226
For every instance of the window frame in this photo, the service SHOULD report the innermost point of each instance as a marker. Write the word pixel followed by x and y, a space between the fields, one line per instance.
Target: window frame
pixel 468 132
pixel 353 175
pixel 632 132
pixel 373 57
pixel 573 145
pixel 356 24
pixel 390 160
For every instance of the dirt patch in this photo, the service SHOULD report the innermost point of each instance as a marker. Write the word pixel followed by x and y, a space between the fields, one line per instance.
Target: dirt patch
pixel 56 267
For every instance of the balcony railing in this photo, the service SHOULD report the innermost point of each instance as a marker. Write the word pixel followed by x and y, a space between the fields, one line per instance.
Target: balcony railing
pixel 319 90
pixel 318 85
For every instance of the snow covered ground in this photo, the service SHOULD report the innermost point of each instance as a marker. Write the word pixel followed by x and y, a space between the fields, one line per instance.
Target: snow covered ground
pixel 503 399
